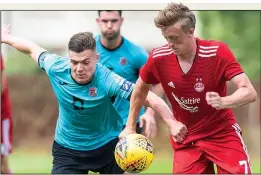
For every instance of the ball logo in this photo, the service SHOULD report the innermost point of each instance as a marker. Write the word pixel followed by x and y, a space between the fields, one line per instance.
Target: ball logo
pixel 199 86
pixel 123 61
pixel 93 91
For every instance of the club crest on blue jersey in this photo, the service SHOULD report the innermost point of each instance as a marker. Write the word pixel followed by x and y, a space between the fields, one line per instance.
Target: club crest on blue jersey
pixel 126 86
pixel 93 91
pixel 123 61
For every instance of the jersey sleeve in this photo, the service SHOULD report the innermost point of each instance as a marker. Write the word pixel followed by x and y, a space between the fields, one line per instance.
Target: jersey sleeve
pixel 229 63
pixel 117 86
pixel 147 72
pixel 46 60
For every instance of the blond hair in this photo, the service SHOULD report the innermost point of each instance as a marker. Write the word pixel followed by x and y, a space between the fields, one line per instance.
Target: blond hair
pixel 174 13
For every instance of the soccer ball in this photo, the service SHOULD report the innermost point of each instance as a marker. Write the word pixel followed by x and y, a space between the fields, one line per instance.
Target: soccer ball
pixel 134 153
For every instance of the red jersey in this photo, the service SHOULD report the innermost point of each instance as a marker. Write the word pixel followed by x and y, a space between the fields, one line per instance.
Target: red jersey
pixel 214 64
pixel 5 105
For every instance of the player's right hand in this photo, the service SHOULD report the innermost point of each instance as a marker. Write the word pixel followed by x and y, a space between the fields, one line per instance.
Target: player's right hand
pixel 126 131
pixel 178 131
pixel 5 32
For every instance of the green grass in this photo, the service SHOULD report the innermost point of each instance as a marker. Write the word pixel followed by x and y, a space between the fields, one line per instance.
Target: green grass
pixel 28 162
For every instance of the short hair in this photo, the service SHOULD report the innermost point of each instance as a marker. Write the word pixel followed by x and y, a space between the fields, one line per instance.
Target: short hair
pixel 173 13
pixel 119 11
pixel 82 41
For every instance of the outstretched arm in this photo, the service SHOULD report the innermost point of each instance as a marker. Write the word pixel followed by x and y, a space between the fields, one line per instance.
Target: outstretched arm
pixel 22 45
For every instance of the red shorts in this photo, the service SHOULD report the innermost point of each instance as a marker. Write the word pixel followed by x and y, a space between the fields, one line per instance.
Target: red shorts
pixel 227 150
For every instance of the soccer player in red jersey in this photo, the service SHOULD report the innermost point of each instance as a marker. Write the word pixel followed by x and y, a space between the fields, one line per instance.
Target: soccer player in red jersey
pixel 193 74
pixel 6 123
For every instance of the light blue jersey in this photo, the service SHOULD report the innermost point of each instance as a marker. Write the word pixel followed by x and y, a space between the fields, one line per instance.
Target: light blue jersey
pixel 87 119
pixel 126 61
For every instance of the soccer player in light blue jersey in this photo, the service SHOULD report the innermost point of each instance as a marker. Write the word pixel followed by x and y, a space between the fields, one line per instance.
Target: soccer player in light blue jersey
pixel 88 125
pixel 124 58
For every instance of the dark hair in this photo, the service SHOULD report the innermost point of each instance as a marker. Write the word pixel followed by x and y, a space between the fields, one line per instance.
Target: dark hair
pixel 173 13
pixel 82 41
pixel 119 11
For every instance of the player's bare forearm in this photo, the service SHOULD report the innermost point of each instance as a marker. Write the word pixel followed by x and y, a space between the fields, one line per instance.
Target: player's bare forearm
pixel 25 46
pixel 159 105
pixel 241 96
pixel 158 90
pixel 138 98
pixel 244 94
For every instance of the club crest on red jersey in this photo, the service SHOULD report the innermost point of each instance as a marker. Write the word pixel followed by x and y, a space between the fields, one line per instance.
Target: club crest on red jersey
pixel 199 86
pixel 123 61
pixel 93 91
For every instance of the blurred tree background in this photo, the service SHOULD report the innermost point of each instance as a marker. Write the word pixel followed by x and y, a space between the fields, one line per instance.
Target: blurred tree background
pixel 240 30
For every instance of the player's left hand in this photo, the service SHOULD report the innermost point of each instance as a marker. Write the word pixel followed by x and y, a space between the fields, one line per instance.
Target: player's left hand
pixel 214 100
pixel 148 122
